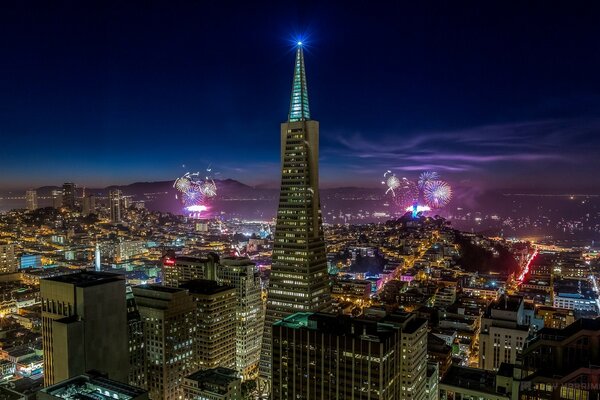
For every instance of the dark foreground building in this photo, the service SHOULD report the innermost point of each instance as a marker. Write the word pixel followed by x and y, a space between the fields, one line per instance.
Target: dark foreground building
pixel 324 356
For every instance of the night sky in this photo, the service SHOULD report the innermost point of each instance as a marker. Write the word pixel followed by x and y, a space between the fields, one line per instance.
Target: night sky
pixel 489 94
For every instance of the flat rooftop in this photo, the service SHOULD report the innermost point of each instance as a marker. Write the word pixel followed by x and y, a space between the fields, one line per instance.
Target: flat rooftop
pixel 470 378
pixel 87 278
pixel 212 379
pixel 93 387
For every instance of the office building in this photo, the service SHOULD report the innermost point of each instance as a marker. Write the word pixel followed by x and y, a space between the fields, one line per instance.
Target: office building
pixel 91 386
pixel 84 326
pixel 30 261
pixel 561 363
pixel 88 205
pixel 212 384
pixel 299 280
pixel 114 203
pixel 325 356
pixel 168 317
pixel 135 337
pixel 241 273
pixel 31 200
pixel 68 192
pixel 503 332
pixel 463 383
pixel 214 324
pixel 8 259
pixel 57 198
pixel 178 270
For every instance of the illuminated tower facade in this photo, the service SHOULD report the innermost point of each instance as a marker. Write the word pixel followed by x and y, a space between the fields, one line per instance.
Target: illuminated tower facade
pixel 31 200
pixel 68 195
pixel 114 199
pixel 299 280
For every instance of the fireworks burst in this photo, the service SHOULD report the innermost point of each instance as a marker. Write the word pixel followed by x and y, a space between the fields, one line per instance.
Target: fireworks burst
pixel 392 182
pixel 424 194
pixel 437 193
pixel 193 191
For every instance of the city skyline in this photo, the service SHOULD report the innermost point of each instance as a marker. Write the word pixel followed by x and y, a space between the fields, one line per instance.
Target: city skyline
pixel 516 99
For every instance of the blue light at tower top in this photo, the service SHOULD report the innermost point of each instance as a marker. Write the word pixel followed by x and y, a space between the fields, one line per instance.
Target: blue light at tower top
pixel 299 43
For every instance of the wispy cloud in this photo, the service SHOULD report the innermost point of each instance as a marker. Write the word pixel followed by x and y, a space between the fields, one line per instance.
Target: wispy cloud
pixel 475 148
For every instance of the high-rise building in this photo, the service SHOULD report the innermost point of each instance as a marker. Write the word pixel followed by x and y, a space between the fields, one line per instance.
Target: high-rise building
pixel 503 332
pixel 178 270
pixel 326 356
pixel 241 273
pixel 31 200
pixel 299 280
pixel 168 321
pixel 8 259
pixel 57 198
pixel 114 202
pixel 69 195
pixel 214 384
pixel 214 324
pixel 88 205
pixel 84 326
pixel 135 335
pixel 561 363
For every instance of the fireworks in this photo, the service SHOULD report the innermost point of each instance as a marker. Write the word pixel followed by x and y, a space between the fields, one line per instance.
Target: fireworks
pixel 391 181
pixel 426 193
pixel 427 176
pixel 437 193
pixel 193 191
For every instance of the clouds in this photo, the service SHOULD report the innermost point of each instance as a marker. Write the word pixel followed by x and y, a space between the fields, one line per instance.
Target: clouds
pixel 487 149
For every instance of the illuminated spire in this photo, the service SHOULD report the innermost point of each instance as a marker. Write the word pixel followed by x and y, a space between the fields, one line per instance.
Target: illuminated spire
pixel 299 109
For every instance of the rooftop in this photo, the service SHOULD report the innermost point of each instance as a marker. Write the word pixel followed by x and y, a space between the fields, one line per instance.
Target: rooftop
pixel 470 378
pixel 93 387
pixel 87 278
pixel 214 380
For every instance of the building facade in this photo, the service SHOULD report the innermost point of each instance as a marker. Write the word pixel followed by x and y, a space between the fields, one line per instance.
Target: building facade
pixel 31 200
pixel 8 258
pixel 178 270
pixel 214 324
pixel 503 332
pixel 114 203
pixel 77 312
pixel 241 273
pixel 68 195
pixel 169 337
pixel 325 356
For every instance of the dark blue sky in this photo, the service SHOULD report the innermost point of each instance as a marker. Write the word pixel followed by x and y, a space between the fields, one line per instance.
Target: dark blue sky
pixel 494 94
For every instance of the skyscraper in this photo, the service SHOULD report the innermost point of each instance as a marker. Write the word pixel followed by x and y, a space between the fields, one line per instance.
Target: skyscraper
pixel 57 198
pixel 31 199
pixel 114 202
pixel 241 273
pixel 135 335
pixel 168 320
pixel 8 259
pixel 77 312
pixel 88 205
pixel 214 325
pixel 69 195
pixel 298 281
